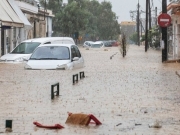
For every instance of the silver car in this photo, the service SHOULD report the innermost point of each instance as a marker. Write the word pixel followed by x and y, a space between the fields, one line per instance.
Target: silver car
pixel 88 44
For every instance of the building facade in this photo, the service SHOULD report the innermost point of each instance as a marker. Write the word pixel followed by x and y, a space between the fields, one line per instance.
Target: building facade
pixel 174 31
pixel 21 20
pixel 128 28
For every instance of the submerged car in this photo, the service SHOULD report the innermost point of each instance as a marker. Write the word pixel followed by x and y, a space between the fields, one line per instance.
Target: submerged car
pixel 88 43
pixel 55 56
pixel 24 50
pixel 97 44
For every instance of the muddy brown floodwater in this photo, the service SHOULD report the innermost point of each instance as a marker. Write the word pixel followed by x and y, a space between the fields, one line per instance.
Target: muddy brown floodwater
pixel 128 95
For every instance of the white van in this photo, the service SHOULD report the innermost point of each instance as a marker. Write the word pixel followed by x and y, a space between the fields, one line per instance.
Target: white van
pixel 24 50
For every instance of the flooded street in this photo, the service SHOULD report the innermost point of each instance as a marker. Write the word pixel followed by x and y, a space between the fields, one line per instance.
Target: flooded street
pixel 126 94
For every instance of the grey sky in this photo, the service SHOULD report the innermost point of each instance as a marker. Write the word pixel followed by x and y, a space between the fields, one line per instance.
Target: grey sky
pixel 122 7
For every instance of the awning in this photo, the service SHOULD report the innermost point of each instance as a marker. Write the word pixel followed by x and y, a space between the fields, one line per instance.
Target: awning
pixel 7 15
pixel 24 19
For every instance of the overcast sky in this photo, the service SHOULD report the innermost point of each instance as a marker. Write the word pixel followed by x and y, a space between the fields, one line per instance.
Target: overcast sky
pixel 123 7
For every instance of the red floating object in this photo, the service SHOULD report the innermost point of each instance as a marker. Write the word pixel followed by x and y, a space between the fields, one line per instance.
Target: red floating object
pixel 56 126
pixel 95 119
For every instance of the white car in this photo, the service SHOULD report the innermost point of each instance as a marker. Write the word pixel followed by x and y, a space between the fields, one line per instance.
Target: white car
pixel 88 44
pixel 55 56
pixel 24 50
pixel 97 44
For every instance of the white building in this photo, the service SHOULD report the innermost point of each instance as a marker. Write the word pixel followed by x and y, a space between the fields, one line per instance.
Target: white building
pixel 174 31
pixel 21 20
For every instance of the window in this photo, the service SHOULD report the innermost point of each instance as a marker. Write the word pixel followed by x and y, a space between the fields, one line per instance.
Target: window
pixel 51 53
pixel 25 48
pixel 73 52
pixel 78 54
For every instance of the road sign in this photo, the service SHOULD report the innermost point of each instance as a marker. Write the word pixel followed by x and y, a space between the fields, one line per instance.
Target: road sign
pixel 164 20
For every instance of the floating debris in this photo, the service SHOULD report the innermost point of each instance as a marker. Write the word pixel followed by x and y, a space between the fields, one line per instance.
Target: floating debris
pixel 8 129
pixel 156 124
pixel 138 124
pixel 119 124
pixel 145 112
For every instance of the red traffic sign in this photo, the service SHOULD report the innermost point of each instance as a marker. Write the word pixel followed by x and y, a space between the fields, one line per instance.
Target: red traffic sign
pixel 164 20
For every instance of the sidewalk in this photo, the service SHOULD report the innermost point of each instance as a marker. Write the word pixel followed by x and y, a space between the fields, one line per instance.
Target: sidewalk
pixel 126 94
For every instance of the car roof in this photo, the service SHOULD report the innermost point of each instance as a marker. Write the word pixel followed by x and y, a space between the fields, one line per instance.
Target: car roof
pixel 98 42
pixel 67 45
pixel 44 39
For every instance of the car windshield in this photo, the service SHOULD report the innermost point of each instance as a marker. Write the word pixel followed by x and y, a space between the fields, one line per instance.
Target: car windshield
pixel 96 45
pixel 51 53
pixel 25 48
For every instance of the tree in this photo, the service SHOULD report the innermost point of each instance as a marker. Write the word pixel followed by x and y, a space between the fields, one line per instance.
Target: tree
pixel 134 38
pixel 154 36
pixel 84 16
pixel 107 23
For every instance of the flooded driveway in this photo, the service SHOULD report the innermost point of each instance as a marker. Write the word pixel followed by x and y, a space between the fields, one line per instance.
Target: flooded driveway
pixel 128 95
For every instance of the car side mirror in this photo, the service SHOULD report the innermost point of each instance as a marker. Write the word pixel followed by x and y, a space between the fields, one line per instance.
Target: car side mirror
pixel 75 58
pixel 25 59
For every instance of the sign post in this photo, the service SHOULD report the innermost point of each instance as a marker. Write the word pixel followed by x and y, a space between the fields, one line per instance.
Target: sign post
pixel 167 21
pixel 164 20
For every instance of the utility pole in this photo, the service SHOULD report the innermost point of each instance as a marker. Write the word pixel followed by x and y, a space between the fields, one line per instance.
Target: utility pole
pixel 138 37
pixel 156 16
pixel 150 22
pixel 164 33
pixel 146 29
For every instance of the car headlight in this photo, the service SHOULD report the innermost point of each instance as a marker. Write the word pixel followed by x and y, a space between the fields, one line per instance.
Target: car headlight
pixel 27 67
pixel 62 67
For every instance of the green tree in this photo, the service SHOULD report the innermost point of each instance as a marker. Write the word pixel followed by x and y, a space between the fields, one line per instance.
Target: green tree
pixel 153 36
pixel 134 38
pixel 107 23
pixel 84 16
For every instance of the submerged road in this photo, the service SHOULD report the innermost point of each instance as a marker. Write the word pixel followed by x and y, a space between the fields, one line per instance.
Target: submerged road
pixel 128 95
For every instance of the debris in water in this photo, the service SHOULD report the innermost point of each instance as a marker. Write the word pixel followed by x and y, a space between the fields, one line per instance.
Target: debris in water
pixel 8 129
pixel 138 124
pixel 105 49
pixel 119 124
pixel 156 124
pixel 145 112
